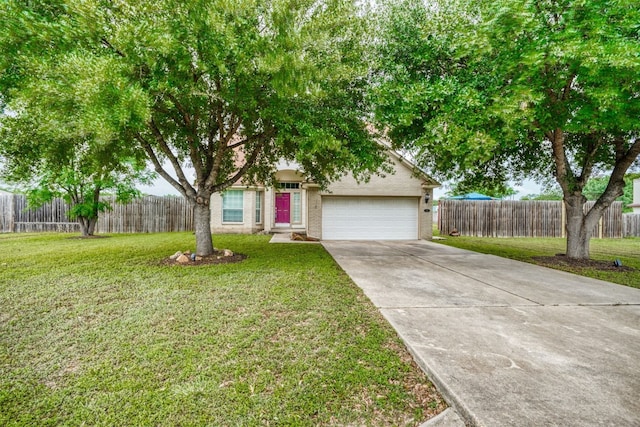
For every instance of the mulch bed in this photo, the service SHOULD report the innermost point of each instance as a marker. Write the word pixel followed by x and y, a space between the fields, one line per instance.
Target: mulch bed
pixel 560 260
pixel 217 258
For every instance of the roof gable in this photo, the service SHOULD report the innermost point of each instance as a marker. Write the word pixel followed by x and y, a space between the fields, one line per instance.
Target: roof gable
pixel 415 170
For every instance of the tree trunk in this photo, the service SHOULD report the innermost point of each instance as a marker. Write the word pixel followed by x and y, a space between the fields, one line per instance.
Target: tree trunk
pixel 202 220
pixel 577 236
pixel 87 225
pixel 92 225
pixel 578 227
pixel 84 226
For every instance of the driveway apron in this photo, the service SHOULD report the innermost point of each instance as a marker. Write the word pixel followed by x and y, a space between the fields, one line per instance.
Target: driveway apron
pixel 507 343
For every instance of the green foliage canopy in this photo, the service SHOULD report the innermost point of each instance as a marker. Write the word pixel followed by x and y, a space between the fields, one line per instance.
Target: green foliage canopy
pixel 207 80
pixel 485 91
pixel 57 163
pixel 63 135
pixel 227 87
pixel 478 88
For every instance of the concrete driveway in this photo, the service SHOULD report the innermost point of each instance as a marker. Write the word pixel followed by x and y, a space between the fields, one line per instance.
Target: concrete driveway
pixel 507 343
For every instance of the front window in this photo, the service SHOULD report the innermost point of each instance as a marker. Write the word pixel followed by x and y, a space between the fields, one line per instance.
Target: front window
pixel 258 207
pixel 290 185
pixel 232 208
pixel 296 208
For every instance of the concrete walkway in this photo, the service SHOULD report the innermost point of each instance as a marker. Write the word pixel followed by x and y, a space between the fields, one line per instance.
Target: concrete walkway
pixel 507 343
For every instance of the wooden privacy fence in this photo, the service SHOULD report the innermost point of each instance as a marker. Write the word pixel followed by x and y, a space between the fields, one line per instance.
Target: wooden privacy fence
pixel 509 218
pixel 631 225
pixel 149 214
pixel 15 216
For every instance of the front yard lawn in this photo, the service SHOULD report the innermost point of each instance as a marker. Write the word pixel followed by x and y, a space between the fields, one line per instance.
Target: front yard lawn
pixel 100 332
pixel 530 249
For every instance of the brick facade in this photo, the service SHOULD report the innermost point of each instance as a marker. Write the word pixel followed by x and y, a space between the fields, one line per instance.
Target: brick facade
pixel 405 181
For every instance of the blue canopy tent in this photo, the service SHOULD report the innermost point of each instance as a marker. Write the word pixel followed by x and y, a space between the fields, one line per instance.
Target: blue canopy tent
pixel 471 196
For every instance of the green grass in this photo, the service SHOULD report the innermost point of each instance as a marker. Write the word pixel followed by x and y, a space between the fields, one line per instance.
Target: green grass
pixel 523 249
pixel 98 332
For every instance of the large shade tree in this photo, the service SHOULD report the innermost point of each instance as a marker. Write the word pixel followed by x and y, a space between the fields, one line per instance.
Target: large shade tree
pixel 487 91
pixel 50 147
pixel 228 87
pixel 79 169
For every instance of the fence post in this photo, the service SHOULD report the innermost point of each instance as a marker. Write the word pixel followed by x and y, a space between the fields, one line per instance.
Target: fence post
pixel 601 227
pixel 12 214
pixel 563 220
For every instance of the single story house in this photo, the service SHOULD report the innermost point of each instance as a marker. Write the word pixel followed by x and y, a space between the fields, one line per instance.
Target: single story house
pixel 396 206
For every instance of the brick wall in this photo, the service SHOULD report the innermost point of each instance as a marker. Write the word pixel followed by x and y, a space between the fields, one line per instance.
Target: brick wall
pixel 314 211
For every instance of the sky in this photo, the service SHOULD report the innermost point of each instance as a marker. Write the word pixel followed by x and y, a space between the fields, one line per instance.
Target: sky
pixel 160 187
pixel 526 188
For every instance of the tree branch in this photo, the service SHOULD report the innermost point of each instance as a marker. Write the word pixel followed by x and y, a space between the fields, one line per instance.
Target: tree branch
pixel 248 163
pixel 183 112
pixel 233 132
pixel 234 125
pixel 567 88
pixel 191 125
pixel 222 148
pixel 594 143
pixel 108 45
pixel 563 168
pixel 615 186
pixel 212 129
pixel 626 158
pixel 158 166
pixel 217 162
pixel 189 191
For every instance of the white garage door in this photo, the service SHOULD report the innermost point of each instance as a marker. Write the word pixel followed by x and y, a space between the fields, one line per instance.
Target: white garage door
pixel 369 218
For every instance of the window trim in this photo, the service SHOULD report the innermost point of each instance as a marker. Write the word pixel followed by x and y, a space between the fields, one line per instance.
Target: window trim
pixel 236 210
pixel 258 210
pixel 293 207
pixel 286 185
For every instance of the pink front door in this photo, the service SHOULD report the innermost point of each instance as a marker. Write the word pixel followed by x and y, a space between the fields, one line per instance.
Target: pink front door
pixel 283 203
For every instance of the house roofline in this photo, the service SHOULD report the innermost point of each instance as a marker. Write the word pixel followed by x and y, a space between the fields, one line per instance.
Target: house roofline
pixel 429 181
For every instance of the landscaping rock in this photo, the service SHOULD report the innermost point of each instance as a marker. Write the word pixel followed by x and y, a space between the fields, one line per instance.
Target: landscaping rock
pixel 187 259
pixel 183 259
pixel 175 256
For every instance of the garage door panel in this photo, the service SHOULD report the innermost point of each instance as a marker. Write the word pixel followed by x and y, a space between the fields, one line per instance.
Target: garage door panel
pixel 369 218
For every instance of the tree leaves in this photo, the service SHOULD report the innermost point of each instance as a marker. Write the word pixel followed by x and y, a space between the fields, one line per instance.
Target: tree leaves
pixel 510 72
pixel 535 88
pixel 228 87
